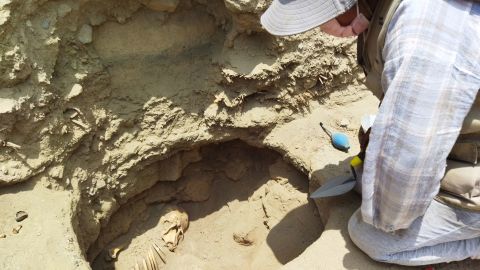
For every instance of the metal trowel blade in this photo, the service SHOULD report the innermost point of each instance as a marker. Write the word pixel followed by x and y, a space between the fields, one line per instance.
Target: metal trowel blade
pixel 337 186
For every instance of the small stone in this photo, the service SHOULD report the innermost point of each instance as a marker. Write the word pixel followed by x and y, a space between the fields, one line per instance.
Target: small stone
pixel 74 65
pixel 17 229
pixel 310 83
pixel 4 16
pixel 243 240
pixel 45 24
pixel 43 77
pixel 63 10
pixel 56 172
pixel 235 169
pixel 3 236
pixel 344 123
pixel 20 216
pixel 76 90
pixel 85 35
pixel 97 19
pixel 101 184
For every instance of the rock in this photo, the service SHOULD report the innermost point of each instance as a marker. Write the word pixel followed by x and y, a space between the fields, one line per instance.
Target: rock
pixel 16 68
pixel 344 123
pixel 161 5
pixel 235 169
pixel 4 16
pixel 243 239
pixel 20 216
pixel 63 10
pixel 3 236
pixel 195 184
pixel 85 35
pixel 56 172
pixel 76 90
pixel 101 184
pixel 45 24
pixel 97 19
pixel 160 192
pixel 8 105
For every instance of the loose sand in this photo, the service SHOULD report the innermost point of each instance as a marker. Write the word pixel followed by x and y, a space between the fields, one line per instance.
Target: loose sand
pixel 258 218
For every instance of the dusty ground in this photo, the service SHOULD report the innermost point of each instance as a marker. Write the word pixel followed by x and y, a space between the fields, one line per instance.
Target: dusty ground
pixel 253 211
pixel 106 105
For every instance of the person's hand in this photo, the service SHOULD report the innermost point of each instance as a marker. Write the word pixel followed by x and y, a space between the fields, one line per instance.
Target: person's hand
pixel 348 24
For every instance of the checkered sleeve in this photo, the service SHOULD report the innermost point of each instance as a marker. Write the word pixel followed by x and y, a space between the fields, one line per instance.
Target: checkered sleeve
pixel 431 79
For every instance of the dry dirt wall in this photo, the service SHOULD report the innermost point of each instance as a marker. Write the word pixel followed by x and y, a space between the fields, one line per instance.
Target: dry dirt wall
pixel 101 98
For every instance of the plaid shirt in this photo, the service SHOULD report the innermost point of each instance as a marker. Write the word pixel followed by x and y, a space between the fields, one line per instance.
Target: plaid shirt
pixel 431 79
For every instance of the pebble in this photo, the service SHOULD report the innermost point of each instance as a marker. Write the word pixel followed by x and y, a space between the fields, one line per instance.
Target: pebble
pixel 20 216
pixel 76 90
pixel 101 184
pixel 85 35
pixel 45 24
pixel 97 19
pixel 345 123
pixel 3 236
pixel 63 10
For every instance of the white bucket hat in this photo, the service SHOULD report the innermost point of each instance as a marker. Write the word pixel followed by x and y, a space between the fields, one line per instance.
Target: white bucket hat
pixel 288 17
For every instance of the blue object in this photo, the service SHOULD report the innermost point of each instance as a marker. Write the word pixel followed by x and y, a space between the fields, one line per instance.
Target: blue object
pixel 339 140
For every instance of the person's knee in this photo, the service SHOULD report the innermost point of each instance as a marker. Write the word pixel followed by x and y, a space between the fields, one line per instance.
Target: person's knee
pixel 363 236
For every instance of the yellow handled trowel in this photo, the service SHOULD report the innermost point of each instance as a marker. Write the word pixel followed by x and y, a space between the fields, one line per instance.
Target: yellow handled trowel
pixel 341 184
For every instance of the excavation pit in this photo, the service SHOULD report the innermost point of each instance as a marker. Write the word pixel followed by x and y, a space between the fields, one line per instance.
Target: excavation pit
pixel 106 98
pixel 247 209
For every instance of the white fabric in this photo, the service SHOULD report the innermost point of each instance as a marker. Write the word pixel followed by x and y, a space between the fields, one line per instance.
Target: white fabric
pixel 443 234
pixel 431 79
pixel 288 17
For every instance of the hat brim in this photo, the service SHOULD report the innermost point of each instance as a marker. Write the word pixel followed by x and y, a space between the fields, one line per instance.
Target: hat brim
pixel 288 17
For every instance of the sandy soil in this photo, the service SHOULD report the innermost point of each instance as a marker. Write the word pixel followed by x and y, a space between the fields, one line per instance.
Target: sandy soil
pixel 256 214
pixel 109 112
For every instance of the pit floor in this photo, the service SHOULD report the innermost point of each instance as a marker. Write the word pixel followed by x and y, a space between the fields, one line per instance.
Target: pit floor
pixel 257 216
